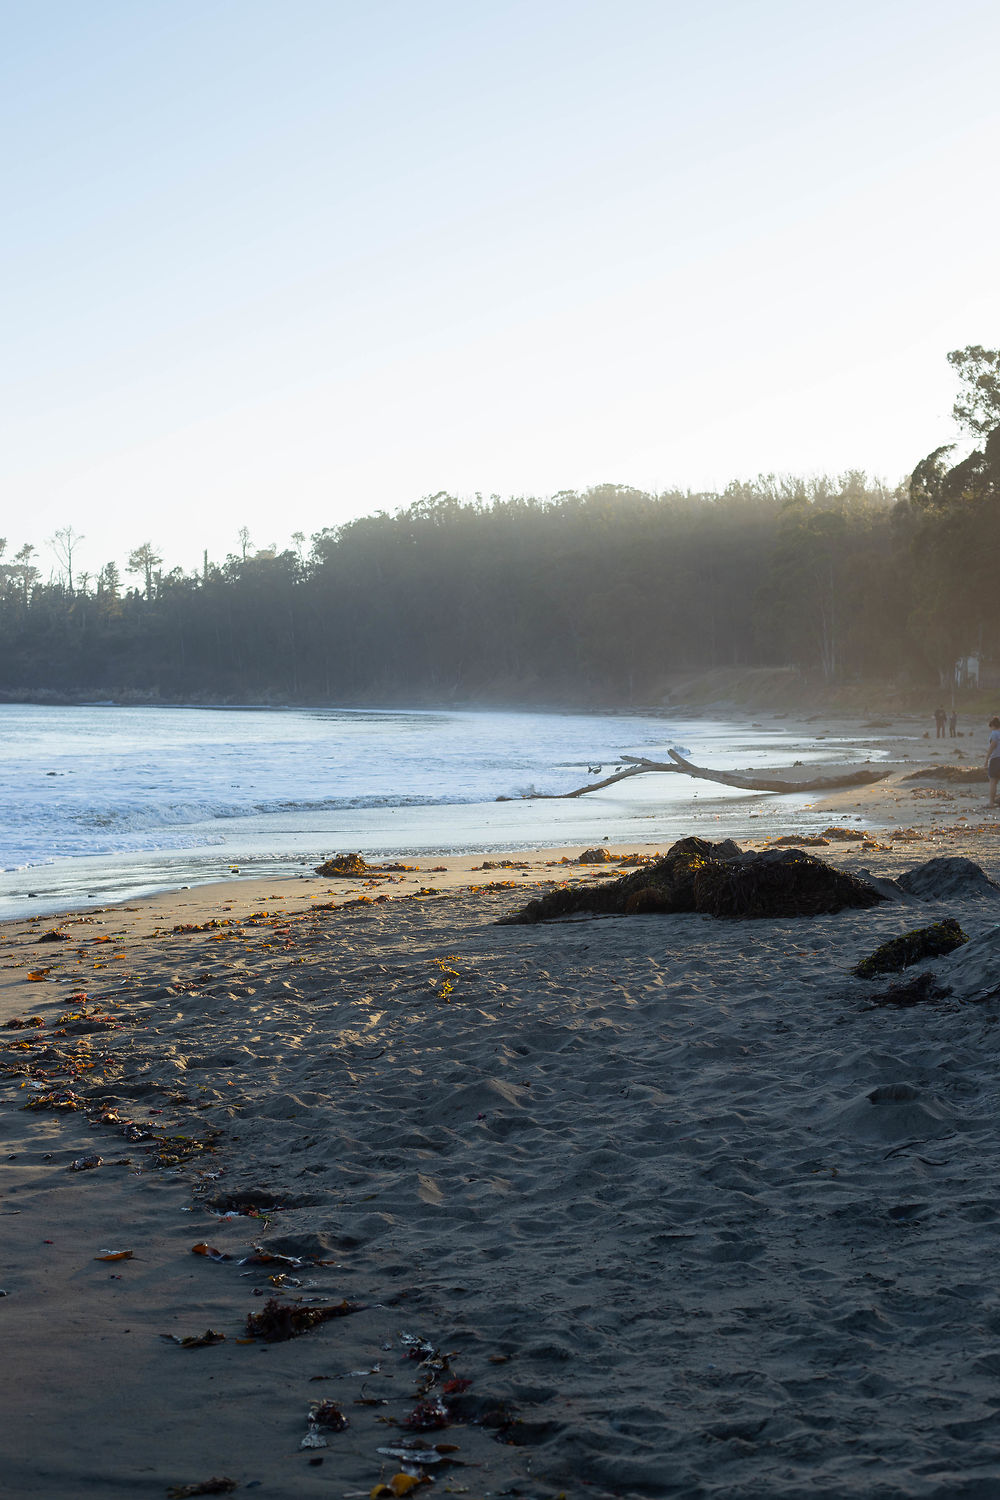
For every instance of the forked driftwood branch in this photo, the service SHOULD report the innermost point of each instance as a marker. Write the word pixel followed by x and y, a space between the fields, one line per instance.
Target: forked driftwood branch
pixel 638 766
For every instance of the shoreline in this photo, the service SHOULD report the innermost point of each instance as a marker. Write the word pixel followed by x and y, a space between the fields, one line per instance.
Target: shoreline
pixel 686 1212
pixel 510 825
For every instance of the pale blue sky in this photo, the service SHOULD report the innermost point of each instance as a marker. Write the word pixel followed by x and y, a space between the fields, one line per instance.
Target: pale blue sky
pixel 281 264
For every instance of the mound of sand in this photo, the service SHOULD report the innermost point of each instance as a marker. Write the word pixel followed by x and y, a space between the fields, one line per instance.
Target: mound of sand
pixel 946 878
pixel 974 971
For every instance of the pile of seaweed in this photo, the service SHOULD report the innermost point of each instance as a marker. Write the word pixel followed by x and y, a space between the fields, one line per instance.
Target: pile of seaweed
pixel 923 989
pixel 348 866
pixel 719 880
pixel 912 948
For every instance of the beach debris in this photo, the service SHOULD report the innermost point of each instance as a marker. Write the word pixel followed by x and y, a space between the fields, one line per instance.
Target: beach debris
pixel 718 880
pixel 922 989
pixel 399 1484
pixel 52 936
pixel 262 1257
pixel 313 1438
pixel 52 1098
pixel 911 948
pixel 413 1451
pixel 948 877
pixel 18 1023
pixel 278 1321
pixel 86 1163
pixel 328 1415
pixel 115 1255
pixel 197 1341
pixel 251 1203
pixel 443 984
pixel 346 866
pixel 428 1415
pixel 210 1251
pixel 221 1486
pixel 214 922
pixel 415 1347
pixel 843 835
pixel 594 857
pixel 800 841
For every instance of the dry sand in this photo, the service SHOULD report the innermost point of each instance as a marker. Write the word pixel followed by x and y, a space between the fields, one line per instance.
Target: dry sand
pixel 689 1215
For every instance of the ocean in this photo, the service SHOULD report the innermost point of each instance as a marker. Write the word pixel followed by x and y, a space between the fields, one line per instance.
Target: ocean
pixel 103 803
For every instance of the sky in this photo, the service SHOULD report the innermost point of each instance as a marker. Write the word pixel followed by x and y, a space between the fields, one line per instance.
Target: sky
pixel 276 264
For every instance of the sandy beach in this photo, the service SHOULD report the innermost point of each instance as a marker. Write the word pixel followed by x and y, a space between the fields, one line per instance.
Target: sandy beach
pixel 659 1205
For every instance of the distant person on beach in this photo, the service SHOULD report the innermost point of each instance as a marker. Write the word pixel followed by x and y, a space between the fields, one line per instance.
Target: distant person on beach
pixel 953 724
pixel 993 759
pixel 940 719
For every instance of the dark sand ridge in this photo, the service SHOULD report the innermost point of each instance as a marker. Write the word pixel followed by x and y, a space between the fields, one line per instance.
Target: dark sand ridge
pixel 631 1171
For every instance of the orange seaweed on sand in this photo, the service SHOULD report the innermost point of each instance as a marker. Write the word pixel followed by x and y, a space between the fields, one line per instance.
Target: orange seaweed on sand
pixel 399 1484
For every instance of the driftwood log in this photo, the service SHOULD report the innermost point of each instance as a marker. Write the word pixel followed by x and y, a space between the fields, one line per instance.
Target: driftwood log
pixel 772 784
pixel 638 766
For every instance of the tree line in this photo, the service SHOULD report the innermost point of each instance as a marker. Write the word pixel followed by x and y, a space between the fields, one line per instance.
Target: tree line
pixel 592 597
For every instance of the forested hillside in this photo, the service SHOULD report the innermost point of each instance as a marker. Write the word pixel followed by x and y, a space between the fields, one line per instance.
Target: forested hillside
pixel 590 598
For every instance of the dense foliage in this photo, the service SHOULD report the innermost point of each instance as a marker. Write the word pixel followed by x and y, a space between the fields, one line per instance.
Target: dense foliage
pixel 593 597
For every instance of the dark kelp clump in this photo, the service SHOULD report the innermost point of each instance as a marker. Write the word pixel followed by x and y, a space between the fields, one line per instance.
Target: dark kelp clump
pixel 779 883
pixel 716 879
pixel 666 885
pixel 912 948
pixel 923 989
pixel 278 1321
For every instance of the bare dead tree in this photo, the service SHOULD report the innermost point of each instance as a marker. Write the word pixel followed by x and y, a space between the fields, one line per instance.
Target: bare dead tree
pixel 64 543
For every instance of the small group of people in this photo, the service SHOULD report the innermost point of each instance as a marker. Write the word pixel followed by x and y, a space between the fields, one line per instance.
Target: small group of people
pixel 941 718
